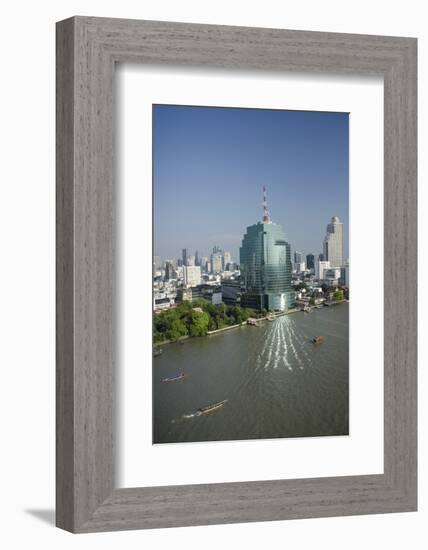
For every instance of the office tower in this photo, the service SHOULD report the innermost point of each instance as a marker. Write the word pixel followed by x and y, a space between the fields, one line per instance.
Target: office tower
pixel 226 260
pixel 216 262
pixel 184 256
pixel 191 275
pixel 197 261
pixel 265 259
pixel 298 257
pixel 310 261
pixel 300 267
pixel 170 272
pixel 191 260
pixel 333 243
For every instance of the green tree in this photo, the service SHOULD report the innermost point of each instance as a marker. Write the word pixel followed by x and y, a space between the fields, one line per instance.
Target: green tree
pixel 199 323
pixel 176 330
pixel 338 295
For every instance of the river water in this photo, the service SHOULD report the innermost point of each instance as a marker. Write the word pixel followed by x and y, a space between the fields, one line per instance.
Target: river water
pixel 276 382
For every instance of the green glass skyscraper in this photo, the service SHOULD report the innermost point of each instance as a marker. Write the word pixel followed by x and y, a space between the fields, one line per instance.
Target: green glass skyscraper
pixel 265 259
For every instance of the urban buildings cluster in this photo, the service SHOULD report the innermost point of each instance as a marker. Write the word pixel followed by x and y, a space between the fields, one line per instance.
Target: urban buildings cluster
pixel 265 278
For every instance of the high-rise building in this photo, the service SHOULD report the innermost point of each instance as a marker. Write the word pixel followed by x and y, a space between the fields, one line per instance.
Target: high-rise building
pixel 298 257
pixel 333 243
pixel 170 272
pixel 197 261
pixel 226 260
pixel 310 261
pixel 157 263
pixel 216 262
pixel 191 260
pixel 265 259
pixel 184 256
pixel 191 275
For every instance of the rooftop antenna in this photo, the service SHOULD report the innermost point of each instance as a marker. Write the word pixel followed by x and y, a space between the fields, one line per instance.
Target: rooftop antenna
pixel 266 215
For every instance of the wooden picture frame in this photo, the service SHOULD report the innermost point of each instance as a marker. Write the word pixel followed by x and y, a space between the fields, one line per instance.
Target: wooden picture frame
pixel 87 50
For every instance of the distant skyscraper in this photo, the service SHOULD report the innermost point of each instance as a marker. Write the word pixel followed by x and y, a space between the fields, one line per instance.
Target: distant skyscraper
pixel 298 257
pixel 170 272
pixel 310 261
pixel 216 262
pixel 226 259
pixel 184 256
pixel 333 243
pixel 191 260
pixel 265 259
pixel 197 262
pixel 191 275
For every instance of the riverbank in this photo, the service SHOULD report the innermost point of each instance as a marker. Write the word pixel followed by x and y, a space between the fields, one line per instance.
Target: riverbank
pixel 224 329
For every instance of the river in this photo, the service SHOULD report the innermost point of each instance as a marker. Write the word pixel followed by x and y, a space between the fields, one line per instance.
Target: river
pixel 276 382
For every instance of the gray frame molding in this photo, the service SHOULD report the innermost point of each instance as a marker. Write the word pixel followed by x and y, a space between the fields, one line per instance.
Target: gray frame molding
pixel 87 50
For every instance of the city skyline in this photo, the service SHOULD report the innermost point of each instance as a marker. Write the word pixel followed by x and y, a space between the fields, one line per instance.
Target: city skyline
pixel 199 202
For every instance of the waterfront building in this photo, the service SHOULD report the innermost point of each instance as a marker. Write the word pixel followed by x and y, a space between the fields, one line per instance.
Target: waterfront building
pixel 332 276
pixel 191 275
pixel 320 267
pixel 265 259
pixel 211 293
pixel 231 291
pixel 333 243
pixel 310 261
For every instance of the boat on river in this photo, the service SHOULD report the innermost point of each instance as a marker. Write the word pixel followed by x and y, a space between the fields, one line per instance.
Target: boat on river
pixel 174 378
pixel 157 352
pixel 211 408
pixel 317 340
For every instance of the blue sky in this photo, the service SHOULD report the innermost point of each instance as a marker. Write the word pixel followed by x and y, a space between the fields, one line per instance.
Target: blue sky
pixel 210 165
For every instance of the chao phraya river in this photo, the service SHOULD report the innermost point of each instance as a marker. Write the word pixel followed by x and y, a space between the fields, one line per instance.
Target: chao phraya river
pixel 277 383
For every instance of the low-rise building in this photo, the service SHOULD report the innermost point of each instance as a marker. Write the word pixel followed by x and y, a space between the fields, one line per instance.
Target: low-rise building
pixel 231 291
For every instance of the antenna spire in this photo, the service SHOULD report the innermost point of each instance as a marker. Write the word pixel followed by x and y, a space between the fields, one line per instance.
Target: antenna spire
pixel 266 215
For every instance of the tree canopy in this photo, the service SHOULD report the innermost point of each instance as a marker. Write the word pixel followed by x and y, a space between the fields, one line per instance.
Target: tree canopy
pixel 172 324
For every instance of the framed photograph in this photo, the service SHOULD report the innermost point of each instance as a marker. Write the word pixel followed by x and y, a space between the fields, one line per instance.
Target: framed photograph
pixel 236 274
